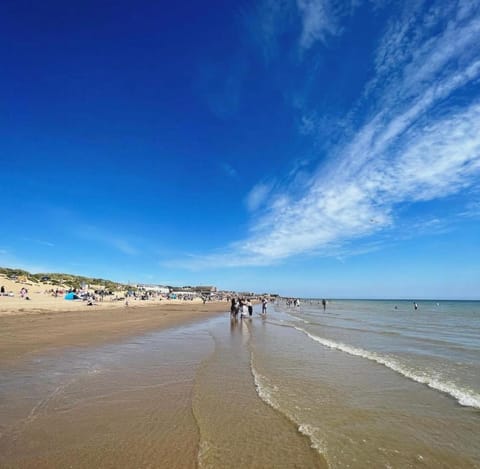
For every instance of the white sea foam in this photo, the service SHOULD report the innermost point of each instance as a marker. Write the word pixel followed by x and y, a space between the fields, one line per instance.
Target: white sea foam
pixel 203 449
pixel 297 318
pixel 465 397
pixel 264 389
pixel 310 432
pixel 266 392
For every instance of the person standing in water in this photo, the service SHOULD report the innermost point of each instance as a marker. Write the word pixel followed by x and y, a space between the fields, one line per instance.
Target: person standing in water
pixel 415 306
pixel 264 306
pixel 233 308
pixel 324 304
pixel 250 308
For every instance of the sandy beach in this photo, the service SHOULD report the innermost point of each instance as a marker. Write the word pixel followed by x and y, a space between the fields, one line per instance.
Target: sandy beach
pixel 158 386
pixel 173 383
pixel 26 333
pixel 45 322
pixel 42 300
pixel 185 385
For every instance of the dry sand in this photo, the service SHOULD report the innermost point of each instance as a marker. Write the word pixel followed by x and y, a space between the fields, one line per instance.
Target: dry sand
pixel 40 300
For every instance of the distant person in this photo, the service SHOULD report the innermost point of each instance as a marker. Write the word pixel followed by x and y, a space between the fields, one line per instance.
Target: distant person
pixel 324 304
pixel 244 308
pixel 250 308
pixel 415 306
pixel 2 290
pixel 264 306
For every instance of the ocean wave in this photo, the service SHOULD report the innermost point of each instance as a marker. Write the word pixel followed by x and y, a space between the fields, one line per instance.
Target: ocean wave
pixel 465 397
pixel 266 391
pixel 297 318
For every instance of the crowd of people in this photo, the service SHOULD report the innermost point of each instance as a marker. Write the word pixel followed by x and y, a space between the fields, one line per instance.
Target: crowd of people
pixel 243 307
pixel 23 293
pixel 292 302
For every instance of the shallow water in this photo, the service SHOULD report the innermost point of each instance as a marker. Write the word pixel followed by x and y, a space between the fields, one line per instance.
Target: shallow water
pixel 379 386
pixel 183 397
pixel 360 384
pixel 121 405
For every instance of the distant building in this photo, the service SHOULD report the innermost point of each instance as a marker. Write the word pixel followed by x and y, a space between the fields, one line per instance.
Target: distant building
pixel 205 290
pixel 156 288
pixel 184 290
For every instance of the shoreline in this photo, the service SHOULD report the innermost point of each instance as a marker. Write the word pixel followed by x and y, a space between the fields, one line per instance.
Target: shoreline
pixel 29 333
pixel 161 400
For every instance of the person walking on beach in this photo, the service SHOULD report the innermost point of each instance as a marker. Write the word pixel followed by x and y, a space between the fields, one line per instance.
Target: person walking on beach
pixel 243 308
pixel 264 306
pixel 324 304
pixel 250 308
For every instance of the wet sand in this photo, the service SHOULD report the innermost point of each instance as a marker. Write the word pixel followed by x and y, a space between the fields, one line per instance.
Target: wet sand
pixel 139 389
pixel 32 333
pixel 186 386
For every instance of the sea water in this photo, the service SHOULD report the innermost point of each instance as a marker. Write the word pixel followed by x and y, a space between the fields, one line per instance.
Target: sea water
pixel 360 384
pixel 377 382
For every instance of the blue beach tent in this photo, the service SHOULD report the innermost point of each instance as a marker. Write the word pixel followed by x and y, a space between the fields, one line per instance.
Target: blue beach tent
pixel 71 296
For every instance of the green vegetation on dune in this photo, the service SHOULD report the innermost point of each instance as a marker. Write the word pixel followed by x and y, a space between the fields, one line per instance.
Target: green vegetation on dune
pixel 70 280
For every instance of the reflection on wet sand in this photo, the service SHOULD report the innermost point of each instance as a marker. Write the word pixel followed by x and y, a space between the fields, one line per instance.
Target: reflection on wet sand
pixel 177 398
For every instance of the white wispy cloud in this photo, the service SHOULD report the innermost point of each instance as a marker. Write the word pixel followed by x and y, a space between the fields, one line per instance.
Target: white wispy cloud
pixel 99 235
pixel 315 20
pixel 319 21
pixel 268 22
pixel 417 142
pixel 257 196
pixel 472 210
pixel 40 241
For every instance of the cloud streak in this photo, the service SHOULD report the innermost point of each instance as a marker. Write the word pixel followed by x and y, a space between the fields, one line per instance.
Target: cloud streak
pixel 257 196
pixel 95 234
pixel 315 21
pixel 419 139
pixel 318 22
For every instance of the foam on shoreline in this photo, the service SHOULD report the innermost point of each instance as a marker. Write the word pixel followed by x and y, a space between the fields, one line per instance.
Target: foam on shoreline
pixel 464 397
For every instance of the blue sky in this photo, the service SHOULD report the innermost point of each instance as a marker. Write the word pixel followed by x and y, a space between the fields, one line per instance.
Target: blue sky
pixel 306 147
